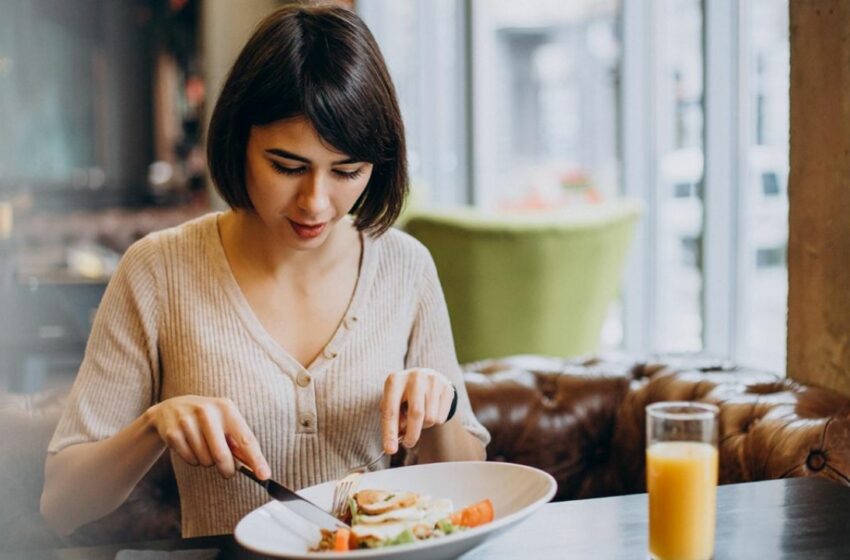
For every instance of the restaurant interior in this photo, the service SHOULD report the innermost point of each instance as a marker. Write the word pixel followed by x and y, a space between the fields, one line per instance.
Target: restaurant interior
pixel 627 203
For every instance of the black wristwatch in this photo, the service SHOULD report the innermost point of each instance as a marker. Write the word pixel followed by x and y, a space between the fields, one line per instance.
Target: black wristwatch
pixel 453 407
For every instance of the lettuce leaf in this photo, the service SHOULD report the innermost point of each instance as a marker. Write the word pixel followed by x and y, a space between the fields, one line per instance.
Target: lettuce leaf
pixel 447 527
pixel 404 537
pixel 355 515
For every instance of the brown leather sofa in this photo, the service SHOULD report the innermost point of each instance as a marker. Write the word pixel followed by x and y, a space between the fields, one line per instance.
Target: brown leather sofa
pixel 582 421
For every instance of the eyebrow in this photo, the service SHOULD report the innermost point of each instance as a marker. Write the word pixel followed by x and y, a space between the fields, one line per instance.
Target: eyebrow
pixel 289 155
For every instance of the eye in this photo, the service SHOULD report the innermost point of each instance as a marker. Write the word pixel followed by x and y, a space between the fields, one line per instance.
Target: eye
pixel 283 170
pixel 350 175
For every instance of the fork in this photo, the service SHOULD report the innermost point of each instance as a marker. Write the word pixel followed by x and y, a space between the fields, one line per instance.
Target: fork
pixel 345 486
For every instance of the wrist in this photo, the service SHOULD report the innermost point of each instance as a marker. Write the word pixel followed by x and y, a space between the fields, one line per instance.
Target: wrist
pixel 149 418
pixel 442 431
pixel 436 442
pixel 149 429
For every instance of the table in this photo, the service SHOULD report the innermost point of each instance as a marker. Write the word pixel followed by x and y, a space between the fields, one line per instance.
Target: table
pixel 802 518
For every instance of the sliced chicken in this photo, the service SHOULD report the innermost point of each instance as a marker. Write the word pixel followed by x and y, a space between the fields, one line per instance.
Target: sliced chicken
pixel 375 502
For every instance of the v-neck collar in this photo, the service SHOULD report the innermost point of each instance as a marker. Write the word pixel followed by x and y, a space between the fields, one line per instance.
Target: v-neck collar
pixel 281 356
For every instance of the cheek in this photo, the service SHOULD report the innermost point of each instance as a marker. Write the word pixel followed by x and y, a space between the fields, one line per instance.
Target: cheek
pixel 256 183
pixel 360 186
pixel 268 186
pixel 354 192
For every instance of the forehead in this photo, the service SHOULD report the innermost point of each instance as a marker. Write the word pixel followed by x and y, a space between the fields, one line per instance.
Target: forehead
pixel 295 135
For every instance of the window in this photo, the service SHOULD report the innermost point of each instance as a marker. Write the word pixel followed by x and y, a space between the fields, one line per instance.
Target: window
pixel 762 246
pixel 681 103
pixel 678 133
pixel 423 44
pixel 46 99
pixel 546 101
pixel 93 91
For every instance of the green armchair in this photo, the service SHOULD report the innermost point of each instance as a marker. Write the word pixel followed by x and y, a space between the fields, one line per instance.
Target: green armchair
pixel 526 283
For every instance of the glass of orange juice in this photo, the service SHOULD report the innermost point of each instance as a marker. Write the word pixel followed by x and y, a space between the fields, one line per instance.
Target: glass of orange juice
pixel 681 477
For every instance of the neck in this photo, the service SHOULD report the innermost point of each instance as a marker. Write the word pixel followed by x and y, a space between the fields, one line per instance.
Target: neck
pixel 246 238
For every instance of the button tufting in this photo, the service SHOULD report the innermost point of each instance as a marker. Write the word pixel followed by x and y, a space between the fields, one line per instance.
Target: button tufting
pixel 816 460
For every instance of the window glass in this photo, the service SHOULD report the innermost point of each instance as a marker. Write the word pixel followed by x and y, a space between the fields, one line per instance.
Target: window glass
pixel 678 238
pixel 763 284
pixel 546 83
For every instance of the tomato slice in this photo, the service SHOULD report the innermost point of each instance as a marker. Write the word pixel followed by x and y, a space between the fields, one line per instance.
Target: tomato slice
pixel 341 538
pixel 474 515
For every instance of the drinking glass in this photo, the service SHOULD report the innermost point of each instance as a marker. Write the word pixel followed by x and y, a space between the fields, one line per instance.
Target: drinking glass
pixel 681 478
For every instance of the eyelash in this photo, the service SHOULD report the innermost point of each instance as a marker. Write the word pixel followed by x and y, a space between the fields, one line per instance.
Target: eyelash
pixel 350 175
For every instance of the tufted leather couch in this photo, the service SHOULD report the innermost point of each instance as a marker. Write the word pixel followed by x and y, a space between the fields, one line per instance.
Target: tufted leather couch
pixel 581 420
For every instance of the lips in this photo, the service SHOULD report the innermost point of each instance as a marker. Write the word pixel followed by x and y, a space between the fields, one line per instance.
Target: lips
pixel 307 231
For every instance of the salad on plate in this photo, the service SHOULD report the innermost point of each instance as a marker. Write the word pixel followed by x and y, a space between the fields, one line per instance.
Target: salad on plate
pixel 380 518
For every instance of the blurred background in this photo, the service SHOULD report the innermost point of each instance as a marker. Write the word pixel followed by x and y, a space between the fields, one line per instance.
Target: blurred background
pixel 512 107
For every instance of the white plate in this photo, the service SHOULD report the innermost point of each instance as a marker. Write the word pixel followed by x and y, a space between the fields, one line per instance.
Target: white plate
pixel 515 490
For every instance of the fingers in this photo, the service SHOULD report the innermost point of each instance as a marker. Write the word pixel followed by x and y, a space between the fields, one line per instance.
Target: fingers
pixel 212 427
pixel 416 409
pixel 414 400
pixel 436 395
pixel 209 432
pixel 245 447
pixel 394 388
pixel 175 440
pixel 402 420
pixel 191 433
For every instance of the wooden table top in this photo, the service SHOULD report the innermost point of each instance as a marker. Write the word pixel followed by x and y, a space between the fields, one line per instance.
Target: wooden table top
pixel 801 518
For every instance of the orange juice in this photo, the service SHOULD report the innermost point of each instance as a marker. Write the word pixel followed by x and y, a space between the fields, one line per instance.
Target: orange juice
pixel 682 482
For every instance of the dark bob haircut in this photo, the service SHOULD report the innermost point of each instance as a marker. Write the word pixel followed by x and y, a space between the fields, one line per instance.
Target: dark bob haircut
pixel 322 63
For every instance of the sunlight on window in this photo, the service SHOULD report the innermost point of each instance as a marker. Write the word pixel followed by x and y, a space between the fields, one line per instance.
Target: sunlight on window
pixel 533 117
pixel 763 287
pixel 680 144
pixel 546 125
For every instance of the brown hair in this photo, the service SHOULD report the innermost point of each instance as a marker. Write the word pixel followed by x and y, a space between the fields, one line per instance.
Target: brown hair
pixel 320 62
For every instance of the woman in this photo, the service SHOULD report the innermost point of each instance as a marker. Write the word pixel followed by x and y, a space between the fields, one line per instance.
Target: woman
pixel 296 331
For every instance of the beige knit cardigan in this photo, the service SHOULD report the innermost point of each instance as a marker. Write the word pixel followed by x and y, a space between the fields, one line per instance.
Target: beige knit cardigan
pixel 173 321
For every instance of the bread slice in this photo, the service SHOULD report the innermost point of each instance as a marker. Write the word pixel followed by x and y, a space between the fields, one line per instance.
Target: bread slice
pixel 376 502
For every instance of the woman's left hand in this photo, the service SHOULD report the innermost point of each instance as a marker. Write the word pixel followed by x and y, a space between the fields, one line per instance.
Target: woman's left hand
pixel 426 396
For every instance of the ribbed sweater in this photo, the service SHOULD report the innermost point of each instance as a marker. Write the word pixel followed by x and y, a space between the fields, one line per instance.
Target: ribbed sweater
pixel 173 321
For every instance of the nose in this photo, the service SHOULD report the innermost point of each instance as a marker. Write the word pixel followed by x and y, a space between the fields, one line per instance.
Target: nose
pixel 313 197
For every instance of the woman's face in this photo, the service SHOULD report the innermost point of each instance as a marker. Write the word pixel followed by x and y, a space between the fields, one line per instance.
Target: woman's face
pixel 300 187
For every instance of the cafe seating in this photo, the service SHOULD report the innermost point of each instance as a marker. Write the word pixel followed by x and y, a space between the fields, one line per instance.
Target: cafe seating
pixel 582 420
pixel 533 281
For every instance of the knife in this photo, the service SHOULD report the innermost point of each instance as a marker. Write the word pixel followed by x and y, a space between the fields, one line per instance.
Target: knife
pixel 303 507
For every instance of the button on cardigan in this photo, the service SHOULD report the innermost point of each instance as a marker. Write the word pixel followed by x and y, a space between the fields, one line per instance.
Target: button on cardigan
pixel 173 321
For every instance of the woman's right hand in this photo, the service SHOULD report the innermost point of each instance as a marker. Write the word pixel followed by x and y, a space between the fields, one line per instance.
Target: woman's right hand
pixel 208 431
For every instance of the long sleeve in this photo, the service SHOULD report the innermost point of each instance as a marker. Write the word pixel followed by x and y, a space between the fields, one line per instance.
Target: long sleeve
pixel 119 377
pixel 174 322
pixel 431 344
